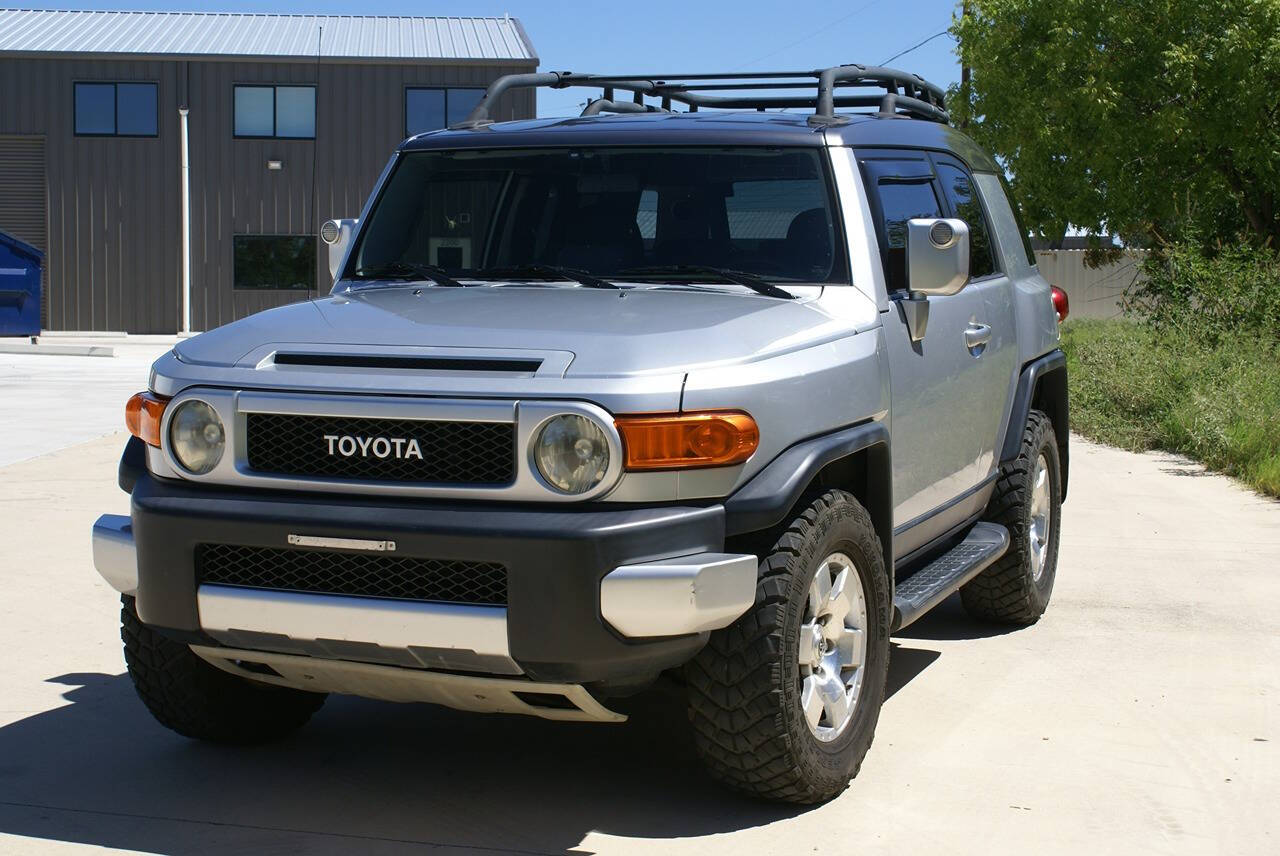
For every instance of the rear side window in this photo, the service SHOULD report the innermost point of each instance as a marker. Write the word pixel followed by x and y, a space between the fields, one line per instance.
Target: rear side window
pixel 1018 219
pixel 958 188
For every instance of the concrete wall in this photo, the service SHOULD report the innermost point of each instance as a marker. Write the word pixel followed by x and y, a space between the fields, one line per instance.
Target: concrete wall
pixel 113 211
pixel 1094 293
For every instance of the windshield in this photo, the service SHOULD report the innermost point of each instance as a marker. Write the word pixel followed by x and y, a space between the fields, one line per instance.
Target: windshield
pixel 608 212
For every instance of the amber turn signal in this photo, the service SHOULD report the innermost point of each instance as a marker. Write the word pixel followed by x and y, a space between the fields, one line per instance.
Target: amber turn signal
pixel 142 417
pixel 687 440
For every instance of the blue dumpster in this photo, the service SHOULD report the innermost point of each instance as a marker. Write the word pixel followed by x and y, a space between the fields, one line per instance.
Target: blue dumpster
pixel 20 266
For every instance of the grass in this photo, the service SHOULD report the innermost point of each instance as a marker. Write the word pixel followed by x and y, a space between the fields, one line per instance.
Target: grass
pixel 1216 403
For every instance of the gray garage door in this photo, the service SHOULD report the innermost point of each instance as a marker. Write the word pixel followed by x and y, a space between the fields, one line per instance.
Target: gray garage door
pixel 22 198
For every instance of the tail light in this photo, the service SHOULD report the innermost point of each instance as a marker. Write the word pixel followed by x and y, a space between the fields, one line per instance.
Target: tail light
pixel 1060 303
pixel 142 417
pixel 687 440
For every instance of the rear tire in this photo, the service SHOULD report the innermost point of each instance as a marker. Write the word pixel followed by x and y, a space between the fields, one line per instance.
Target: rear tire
pixel 749 689
pixel 199 700
pixel 1028 502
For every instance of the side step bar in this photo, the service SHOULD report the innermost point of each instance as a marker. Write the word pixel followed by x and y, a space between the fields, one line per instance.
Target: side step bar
pixel 934 583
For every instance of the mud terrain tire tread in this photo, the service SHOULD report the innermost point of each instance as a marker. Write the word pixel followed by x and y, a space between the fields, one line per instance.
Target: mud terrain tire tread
pixel 743 704
pixel 199 700
pixel 1006 592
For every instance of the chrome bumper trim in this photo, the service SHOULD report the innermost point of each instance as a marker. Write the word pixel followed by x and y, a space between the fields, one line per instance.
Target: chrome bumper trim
pixel 405 633
pixel 389 683
pixel 672 597
pixel 114 553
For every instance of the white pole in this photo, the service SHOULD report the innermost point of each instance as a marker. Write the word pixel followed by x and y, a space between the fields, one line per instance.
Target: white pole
pixel 186 225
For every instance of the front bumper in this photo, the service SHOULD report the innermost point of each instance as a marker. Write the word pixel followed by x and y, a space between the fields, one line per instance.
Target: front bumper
pixel 593 595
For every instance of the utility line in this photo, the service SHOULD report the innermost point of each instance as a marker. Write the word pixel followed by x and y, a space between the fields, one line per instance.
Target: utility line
pixel 816 32
pixel 913 47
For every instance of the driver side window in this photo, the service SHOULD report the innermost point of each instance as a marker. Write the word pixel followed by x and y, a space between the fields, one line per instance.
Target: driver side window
pixel 900 201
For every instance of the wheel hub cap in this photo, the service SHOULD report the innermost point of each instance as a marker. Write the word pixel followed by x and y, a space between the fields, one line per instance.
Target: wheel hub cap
pixel 1041 518
pixel 832 647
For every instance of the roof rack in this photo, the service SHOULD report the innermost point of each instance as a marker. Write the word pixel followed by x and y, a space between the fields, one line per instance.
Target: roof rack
pixel 897 94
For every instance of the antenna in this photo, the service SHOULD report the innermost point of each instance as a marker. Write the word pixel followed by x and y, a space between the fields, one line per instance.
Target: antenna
pixel 315 144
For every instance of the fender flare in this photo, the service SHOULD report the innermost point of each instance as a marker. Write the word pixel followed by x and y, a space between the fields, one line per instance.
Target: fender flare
pixel 1042 383
pixel 133 464
pixel 767 499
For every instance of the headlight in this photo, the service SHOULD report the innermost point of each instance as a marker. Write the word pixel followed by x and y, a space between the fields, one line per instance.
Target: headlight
pixel 572 453
pixel 196 437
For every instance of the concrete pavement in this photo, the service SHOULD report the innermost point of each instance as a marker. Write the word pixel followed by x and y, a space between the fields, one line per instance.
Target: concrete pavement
pixel 1139 716
pixel 49 402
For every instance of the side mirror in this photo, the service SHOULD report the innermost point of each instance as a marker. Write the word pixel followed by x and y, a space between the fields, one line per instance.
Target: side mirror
pixel 337 234
pixel 937 266
pixel 937 257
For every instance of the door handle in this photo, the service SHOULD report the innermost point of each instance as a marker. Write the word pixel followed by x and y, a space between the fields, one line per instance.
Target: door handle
pixel 977 335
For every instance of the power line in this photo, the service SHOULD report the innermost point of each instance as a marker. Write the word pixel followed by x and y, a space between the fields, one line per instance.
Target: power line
pixel 816 32
pixel 913 47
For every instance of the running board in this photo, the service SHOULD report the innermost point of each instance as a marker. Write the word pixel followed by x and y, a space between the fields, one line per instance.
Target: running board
pixel 934 583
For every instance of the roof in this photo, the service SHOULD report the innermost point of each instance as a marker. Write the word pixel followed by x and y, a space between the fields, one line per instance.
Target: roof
pixel 712 127
pixel 216 34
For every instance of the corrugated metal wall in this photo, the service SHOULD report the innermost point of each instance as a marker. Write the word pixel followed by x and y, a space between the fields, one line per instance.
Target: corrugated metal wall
pixel 1093 292
pixel 110 258
pixel 22 198
pixel 359 122
pixel 113 243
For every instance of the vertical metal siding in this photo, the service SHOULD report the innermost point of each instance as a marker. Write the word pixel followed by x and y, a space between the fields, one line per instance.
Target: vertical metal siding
pixel 1093 292
pixel 359 122
pixel 23 209
pixel 113 244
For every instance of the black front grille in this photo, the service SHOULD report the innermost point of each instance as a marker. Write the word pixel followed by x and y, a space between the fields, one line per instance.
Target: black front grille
pixel 403 450
pixel 362 574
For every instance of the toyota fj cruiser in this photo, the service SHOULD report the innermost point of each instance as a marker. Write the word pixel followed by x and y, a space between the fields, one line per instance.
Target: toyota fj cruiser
pixel 694 387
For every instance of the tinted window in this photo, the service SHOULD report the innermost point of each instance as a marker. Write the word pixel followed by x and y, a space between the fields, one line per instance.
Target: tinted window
pixel 275 111
pixel 255 111
pixel 115 109
pixel 136 109
pixel 275 261
pixel 433 109
pixel 608 211
pixel 95 108
pixel 295 111
pixel 423 110
pixel 462 102
pixel 958 187
pixel 901 201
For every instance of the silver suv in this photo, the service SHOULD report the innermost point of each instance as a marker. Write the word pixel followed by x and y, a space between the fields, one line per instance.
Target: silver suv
pixel 725 394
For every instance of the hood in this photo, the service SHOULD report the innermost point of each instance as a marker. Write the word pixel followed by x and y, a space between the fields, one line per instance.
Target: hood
pixel 603 333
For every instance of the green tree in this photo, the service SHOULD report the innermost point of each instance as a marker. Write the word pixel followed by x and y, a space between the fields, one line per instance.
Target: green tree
pixel 1152 119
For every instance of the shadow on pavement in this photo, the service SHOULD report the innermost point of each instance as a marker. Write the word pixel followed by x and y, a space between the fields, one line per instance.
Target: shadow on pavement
pixel 948 621
pixel 365 777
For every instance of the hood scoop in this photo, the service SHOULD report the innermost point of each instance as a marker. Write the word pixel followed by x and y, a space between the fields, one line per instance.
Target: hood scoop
pixel 526 367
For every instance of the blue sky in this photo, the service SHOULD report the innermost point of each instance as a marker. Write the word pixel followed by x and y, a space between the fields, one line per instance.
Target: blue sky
pixel 604 36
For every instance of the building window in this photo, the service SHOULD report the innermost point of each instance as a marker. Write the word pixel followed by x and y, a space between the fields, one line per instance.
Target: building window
pixel 115 109
pixel 282 112
pixel 275 262
pixel 432 109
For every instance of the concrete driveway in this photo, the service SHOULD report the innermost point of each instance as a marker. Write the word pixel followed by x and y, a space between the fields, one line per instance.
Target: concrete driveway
pixel 68 400
pixel 1140 715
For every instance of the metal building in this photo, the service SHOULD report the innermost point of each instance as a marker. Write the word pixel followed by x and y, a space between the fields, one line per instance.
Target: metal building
pixel 283 121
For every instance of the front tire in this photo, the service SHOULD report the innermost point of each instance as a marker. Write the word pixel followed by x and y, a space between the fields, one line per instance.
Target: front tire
pixel 1028 502
pixel 199 700
pixel 784 702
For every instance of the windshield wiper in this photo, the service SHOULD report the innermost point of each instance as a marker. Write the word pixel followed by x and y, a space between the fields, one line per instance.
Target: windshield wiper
pixel 751 281
pixel 541 271
pixel 409 270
